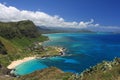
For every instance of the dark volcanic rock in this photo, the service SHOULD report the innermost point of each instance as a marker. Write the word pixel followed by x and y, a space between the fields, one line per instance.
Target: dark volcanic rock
pixel 0 66
pixel 2 49
pixel 5 71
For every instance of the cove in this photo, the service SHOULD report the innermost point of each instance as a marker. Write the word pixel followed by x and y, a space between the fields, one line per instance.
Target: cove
pixel 82 51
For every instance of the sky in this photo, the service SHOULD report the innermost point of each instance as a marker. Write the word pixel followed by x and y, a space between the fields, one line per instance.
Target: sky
pixel 99 14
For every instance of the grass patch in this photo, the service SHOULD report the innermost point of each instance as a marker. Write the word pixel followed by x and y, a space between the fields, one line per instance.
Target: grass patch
pixel 25 41
pixel 11 48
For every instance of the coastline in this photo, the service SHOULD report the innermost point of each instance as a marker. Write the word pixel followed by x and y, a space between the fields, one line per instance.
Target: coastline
pixel 18 62
pixel 15 63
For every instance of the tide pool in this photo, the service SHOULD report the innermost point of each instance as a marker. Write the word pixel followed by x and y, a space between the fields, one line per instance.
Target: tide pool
pixel 83 51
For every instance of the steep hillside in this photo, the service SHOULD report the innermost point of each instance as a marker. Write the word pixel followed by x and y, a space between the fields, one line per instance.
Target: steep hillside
pixel 16 38
pixel 19 40
pixel 47 74
pixel 19 34
pixel 19 29
pixel 8 46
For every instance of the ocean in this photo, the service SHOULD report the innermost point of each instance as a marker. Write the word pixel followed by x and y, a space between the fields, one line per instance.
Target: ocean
pixel 82 51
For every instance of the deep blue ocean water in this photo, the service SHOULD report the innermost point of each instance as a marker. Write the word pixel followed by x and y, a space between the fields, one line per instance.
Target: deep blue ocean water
pixel 83 51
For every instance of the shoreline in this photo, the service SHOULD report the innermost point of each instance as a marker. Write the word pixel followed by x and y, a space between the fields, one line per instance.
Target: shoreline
pixel 13 64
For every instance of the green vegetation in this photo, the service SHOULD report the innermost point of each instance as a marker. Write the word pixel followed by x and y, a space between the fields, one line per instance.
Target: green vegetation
pixel 25 41
pixel 102 71
pixel 11 48
pixel 19 29
pixel 22 39
pixel 2 49
pixel 47 74
pixel 16 38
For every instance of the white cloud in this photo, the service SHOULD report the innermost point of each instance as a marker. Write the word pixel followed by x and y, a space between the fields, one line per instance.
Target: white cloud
pixel 10 13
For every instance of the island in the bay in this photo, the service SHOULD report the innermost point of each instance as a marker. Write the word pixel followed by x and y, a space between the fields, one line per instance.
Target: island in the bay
pixel 22 41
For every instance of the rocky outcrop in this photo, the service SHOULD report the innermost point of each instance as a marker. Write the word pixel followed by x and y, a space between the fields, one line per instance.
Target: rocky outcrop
pixel 2 49
pixel 107 70
pixel 0 66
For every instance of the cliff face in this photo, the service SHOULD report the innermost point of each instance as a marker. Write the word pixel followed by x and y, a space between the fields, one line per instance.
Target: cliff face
pixel 19 29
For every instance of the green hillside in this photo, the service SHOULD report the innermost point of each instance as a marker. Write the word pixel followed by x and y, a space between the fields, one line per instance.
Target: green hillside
pixel 21 33
pixel 9 47
pixel 21 39
pixel 51 73
pixel 106 70
pixel 15 38
pixel 2 49
pixel 19 29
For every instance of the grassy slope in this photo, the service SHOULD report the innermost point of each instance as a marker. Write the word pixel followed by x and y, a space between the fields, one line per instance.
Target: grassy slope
pixel 15 47
pixel 16 36
pixel 108 74
pixel 11 48
pixel 25 42
pixel 47 74
pixel 102 71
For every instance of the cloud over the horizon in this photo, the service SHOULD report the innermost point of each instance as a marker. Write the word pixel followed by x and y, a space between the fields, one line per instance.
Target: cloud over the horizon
pixel 10 13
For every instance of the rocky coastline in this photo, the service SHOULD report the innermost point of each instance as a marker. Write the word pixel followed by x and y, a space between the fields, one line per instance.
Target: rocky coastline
pixel 11 68
pixel 101 71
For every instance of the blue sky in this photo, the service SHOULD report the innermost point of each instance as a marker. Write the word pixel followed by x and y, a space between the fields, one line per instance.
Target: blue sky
pixel 104 12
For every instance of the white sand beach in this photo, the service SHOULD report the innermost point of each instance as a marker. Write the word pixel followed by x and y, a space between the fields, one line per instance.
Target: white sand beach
pixel 18 62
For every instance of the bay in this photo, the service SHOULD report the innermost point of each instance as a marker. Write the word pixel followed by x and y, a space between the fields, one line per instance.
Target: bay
pixel 82 51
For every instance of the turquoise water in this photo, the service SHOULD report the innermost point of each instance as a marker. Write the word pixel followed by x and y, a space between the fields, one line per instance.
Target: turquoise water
pixel 83 51
pixel 29 66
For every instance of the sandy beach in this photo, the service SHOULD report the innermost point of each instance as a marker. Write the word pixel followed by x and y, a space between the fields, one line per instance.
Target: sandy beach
pixel 18 62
